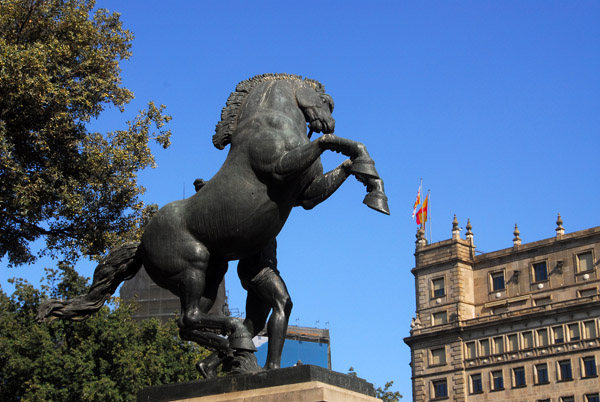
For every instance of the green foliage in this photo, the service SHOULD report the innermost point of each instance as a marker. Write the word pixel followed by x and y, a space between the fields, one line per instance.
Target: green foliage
pixel 108 357
pixel 59 68
pixel 385 394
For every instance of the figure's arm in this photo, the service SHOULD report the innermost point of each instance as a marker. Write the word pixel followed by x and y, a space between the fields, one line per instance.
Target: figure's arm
pixel 324 185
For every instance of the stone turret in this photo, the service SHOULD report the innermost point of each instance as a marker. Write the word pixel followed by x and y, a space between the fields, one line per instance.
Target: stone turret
pixel 455 229
pixel 469 234
pixel 517 238
pixel 559 228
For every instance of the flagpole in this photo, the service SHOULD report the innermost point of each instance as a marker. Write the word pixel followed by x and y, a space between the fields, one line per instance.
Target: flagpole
pixel 424 222
pixel 429 213
pixel 421 190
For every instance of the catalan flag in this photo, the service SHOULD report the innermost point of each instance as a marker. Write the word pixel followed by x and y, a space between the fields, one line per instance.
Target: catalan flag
pixel 417 202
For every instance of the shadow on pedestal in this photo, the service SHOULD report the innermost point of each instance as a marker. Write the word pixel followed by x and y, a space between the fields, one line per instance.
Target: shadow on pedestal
pixel 264 379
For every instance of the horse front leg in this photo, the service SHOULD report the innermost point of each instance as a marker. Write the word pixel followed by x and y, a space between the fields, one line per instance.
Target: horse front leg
pixel 302 157
pixel 362 163
pixel 323 186
pixel 363 168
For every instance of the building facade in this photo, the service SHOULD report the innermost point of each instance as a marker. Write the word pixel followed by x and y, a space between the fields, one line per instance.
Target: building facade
pixel 519 324
pixel 306 345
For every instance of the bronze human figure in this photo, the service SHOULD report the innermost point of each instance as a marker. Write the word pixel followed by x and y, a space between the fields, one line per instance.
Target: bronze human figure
pixel 272 166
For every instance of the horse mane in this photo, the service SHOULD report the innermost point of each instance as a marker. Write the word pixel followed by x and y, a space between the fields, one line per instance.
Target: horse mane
pixel 229 114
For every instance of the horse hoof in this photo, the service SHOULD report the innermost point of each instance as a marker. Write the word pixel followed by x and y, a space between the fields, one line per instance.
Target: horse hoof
pixel 365 168
pixel 241 339
pixel 377 200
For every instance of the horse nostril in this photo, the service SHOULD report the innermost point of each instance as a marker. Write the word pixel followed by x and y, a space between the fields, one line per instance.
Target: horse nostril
pixel 316 126
pixel 331 125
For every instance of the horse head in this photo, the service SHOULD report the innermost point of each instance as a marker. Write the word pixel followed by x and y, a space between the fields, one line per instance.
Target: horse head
pixel 310 97
pixel 317 108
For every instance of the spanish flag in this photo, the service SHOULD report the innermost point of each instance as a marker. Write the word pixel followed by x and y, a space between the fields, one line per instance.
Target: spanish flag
pixel 422 213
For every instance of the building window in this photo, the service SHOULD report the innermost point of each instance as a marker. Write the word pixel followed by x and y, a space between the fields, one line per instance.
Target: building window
pixel 513 343
pixel 573 332
pixel 471 350
pixel 541 373
pixel 440 318
pixel 497 279
pixel 558 334
pixel 484 347
pixel 585 262
pixel 519 377
pixel 527 338
pixel 567 399
pixel 589 366
pixel 497 380
pixel 564 370
pixel 587 292
pixel 498 345
pixel 592 398
pixel 540 272
pixel 437 287
pixel 440 388
pixel 589 329
pixel 542 301
pixel 476 384
pixel 437 357
pixel 542 337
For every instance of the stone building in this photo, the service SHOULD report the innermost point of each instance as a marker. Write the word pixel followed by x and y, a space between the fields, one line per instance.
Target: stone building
pixel 519 324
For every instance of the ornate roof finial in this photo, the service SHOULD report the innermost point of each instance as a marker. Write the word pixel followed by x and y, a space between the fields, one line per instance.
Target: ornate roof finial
pixel 517 239
pixel 559 228
pixel 421 241
pixel 469 234
pixel 455 229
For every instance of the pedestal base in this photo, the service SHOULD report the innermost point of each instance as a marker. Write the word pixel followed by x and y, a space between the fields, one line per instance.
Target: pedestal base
pixel 294 384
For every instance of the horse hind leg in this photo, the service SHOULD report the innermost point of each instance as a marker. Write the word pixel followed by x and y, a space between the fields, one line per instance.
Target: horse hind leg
pixel 195 324
pixel 198 289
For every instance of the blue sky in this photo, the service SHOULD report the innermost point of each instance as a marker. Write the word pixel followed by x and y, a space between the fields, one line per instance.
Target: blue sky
pixel 494 104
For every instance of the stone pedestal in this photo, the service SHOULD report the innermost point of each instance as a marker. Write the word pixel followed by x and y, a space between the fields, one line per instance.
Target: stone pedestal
pixel 293 384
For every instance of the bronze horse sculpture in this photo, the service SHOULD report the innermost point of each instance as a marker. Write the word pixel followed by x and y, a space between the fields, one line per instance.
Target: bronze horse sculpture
pixel 272 166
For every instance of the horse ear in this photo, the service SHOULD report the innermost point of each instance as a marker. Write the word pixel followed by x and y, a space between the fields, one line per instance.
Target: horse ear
pixel 306 97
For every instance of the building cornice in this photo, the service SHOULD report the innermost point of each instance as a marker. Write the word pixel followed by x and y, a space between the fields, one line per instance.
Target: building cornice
pixel 460 328
pixel 518 252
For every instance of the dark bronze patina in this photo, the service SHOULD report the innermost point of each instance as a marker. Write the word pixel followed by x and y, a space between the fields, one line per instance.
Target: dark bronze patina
pixel 272 166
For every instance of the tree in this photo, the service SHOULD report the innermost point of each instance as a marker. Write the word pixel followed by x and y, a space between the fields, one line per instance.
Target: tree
pixel 385 394
pixel 108 357
pixel 78 190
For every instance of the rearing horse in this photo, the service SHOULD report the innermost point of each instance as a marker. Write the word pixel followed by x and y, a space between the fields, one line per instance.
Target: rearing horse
pixel 272 166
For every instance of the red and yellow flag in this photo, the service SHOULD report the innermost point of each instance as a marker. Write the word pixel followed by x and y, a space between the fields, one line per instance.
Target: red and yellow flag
pixel 422 213
pixel 417 202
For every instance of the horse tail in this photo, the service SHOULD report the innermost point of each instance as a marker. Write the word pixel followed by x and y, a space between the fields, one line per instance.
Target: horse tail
pixel 121 264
